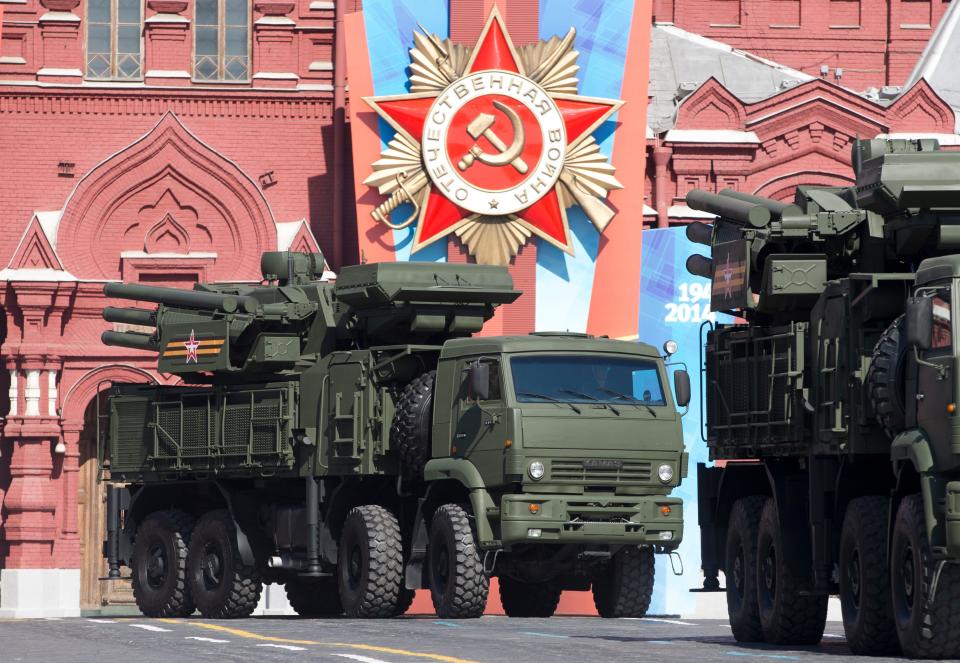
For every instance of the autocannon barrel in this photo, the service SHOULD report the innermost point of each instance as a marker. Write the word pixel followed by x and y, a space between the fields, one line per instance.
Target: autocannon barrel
pixel 208 301
pixel 130 316
pixel 134 340
pixel 741 211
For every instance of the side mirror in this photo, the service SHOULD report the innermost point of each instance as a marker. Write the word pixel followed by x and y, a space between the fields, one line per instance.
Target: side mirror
pixel 480 381
pixel 919 319
pixel 681 387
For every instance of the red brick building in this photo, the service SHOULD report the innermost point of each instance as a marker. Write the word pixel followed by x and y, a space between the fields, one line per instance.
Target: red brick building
pixel 165 141
pixel 169 141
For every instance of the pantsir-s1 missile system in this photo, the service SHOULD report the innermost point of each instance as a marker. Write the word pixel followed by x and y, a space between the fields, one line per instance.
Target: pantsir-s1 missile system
pixel 835 401
pixel 355 442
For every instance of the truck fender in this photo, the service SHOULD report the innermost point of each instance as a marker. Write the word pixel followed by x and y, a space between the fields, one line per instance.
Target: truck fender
pixel 413 573
pixel 466 474
pixel 794 515
pixel 912 445
pixel 243 543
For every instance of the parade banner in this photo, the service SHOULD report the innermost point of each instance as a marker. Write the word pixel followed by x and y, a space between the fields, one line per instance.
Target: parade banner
pixel 675 305
pixel 431 149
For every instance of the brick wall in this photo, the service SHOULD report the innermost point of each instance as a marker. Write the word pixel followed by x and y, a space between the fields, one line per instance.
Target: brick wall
pixel 873 42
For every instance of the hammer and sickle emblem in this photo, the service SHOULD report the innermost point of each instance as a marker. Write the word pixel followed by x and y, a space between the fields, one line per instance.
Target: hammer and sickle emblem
pixel 482 125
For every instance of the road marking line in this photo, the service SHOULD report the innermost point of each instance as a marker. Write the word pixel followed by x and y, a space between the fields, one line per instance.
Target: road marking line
pixel 101 621
pixel 543 635
pixel 446 624
pixel 240 633
pixel 779 657
pixel 150 627
pixel 202 639
pixel 362 659
pixel 287 647
pixel 675 622
pixel 659 642
pixel 831 635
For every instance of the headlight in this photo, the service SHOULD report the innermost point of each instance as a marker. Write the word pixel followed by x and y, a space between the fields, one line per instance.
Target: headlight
pixel 536 470
pixel 665 472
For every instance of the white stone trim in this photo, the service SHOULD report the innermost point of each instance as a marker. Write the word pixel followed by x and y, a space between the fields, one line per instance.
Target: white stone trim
pixel 315 87
pixel 167 18
pixel 31 394
pixel 164 73
pixel 321 65
pixel 39 593
pixel 13 394
pixel 61 17
pixel 187 256
pixel 45 275
pixel 649 211
pixel 274 20
pixel 276 76
pixel 52 393
pixel 711 136
pixel 53 71
pixel 317 5
pixel 12 59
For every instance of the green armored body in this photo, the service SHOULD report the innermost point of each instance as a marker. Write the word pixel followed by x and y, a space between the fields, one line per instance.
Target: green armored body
pixel 355 441
pixel 842 387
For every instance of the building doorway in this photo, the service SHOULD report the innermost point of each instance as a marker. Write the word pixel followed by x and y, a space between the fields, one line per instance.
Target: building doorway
pixel 91 522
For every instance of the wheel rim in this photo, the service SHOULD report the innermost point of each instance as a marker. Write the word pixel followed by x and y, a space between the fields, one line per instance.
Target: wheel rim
pixel 770 571
pixel 441 570
pixel 156 570
pixel 738 565
pixel 355 566
pixel 907 574
pixel 211 566
pixel 853 578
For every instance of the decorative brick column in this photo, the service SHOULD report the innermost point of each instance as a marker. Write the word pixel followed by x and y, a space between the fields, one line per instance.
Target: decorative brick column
pixel 40 575
pixel 61 43
pixel 274 46
pixel 167 44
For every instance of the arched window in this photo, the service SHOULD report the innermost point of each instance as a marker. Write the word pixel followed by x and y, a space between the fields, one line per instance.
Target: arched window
pixel 222 41
pixel 114 44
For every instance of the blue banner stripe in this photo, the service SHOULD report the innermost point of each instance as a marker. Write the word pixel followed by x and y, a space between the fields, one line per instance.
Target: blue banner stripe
pixel 565 282
pixel 390 25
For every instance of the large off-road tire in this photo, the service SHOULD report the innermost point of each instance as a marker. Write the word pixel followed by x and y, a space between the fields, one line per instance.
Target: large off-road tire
pixel 314 597
pixel 410 433
pixel 926 629
pixel 528 599
pixel 370 564
pixel 159 565
pixel 788 614
pixel 864 578
pixel 740 569
pixel 625 586
pixel 222 586
pixel 885 383
pixel 458 585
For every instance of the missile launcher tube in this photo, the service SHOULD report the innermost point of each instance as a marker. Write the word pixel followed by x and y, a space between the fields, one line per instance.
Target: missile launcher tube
pixel 130 316
pixel 207 301
pixel 133 340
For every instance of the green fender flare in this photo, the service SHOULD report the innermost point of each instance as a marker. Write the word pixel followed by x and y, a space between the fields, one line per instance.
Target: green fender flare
pixel 912 445
pixel 467 474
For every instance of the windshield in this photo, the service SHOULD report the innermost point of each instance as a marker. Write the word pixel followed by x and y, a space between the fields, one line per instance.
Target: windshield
pixel 586 379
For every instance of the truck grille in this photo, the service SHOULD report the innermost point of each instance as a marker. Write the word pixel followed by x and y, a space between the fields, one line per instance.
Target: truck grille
pixel 573 470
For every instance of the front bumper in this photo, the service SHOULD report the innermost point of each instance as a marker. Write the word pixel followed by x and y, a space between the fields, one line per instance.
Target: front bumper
pixel 592 518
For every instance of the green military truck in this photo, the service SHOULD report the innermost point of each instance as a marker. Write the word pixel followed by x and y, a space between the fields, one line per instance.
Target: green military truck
pixel 355 442
pixel 834 405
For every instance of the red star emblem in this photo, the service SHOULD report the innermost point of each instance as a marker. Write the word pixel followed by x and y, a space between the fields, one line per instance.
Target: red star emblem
pixel 191 344
pixel 493 142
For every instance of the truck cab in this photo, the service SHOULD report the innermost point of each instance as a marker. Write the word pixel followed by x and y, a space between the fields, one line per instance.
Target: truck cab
pixel 568 447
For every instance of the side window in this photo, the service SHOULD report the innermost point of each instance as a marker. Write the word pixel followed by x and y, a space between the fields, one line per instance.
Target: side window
pixel 942 324
pixel 114 46
pixel 221 41
pixel 496 381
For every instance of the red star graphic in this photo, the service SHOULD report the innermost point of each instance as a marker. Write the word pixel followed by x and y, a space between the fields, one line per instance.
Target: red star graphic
pixel 191 345
pixel 407 114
